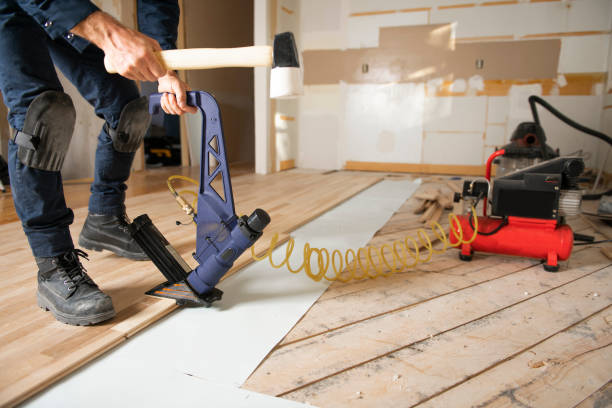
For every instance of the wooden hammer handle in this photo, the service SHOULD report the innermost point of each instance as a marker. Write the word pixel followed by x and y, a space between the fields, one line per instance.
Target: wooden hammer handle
pixel 205 58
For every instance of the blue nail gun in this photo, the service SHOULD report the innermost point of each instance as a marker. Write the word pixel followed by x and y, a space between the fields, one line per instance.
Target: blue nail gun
pixel 222 236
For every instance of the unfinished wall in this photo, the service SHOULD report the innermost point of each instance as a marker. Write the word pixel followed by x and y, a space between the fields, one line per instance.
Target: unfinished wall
pixel 437 85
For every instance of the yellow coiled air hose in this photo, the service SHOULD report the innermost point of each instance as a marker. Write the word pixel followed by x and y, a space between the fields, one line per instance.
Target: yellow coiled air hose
pixel 395 257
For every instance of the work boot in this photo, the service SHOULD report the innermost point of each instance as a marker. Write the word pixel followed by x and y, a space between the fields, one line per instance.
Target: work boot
pixel 69 293
pixel 110 232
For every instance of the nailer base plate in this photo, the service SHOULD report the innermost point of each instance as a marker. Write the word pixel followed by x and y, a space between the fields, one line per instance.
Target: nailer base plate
pixel 183 295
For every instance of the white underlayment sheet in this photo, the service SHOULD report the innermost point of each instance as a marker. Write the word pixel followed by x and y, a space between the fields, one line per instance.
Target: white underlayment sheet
pixel 202 356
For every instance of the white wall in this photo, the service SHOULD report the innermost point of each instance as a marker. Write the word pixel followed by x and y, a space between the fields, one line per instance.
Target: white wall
pixel 408 123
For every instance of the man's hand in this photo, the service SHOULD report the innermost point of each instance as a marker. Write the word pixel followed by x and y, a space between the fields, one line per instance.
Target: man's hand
pixel 174 99
pixel 130 52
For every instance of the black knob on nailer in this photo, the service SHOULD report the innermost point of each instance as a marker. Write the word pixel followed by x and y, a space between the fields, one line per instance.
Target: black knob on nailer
pixel 258 220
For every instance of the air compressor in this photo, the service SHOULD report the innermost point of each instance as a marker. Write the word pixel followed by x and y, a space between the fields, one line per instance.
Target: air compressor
pixel 528 209
pixel 528 204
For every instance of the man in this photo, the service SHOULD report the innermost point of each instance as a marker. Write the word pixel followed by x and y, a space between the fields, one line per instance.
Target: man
pixel 75 35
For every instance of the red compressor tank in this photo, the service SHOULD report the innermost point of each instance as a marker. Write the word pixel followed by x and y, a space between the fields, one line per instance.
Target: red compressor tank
pixel 528 237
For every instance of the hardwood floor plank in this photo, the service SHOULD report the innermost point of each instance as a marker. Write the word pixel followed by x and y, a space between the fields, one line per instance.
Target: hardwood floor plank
pixel 36 350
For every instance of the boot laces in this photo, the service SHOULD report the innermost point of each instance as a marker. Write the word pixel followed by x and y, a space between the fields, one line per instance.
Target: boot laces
pixel 74 272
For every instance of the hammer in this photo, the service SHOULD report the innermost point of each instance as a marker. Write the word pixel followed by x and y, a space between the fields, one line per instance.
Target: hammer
pixel 285 77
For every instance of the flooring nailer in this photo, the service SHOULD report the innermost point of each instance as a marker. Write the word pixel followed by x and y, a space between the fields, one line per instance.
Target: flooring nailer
pixel 222 236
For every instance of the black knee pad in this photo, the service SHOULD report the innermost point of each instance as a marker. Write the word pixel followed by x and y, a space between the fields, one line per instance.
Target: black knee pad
pixel 47 131
pixel 133 124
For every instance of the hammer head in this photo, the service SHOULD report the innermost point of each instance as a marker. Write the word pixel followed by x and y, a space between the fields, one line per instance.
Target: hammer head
pixel 286 75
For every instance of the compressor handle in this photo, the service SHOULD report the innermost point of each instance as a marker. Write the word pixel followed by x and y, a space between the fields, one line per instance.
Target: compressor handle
pixel 495 154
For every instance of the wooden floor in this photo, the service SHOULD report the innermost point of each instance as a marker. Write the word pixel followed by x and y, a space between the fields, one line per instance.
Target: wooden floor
pixel 497 331
pixel 36 350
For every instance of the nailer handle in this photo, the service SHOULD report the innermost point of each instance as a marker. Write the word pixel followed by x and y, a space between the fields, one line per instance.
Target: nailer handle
pixel 193 99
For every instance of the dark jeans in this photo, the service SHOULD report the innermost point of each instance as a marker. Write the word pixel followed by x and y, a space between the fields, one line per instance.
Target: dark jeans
pixel 27 58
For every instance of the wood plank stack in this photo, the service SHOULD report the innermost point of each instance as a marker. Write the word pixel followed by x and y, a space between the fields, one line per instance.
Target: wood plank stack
pixel 435 200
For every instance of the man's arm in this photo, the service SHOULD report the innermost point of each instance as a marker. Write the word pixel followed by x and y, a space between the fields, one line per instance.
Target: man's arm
pixel 132 54
pixel 159 19
pixel 129 51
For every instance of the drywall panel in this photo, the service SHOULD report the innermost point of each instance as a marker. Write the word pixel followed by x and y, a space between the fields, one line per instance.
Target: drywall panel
pixel 487 152
pixel 325 66
pixel 589 15
pixel 496 135
pixel 419 39
pixel 322 40
pixel 584 54
pixel 363 32
pixel 518 102
pixel 452 114
pixel 384 123
pixel 534 59
pixel 288 17
pixel 498 109
pixel 318 142
pixel 286 126
pixel 320 129
pixel 361 6
pixel 513 20
pixel 424 54
pixel 585 110
pixel 321 15
pixel 321 99
pixel 453 148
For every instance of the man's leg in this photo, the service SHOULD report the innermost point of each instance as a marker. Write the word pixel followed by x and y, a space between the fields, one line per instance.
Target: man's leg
pixel 115 99
pixel 26 71
pixel 35 99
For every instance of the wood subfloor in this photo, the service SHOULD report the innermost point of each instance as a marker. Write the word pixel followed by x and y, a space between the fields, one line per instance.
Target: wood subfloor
pixel 36 350
pixel 497 331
